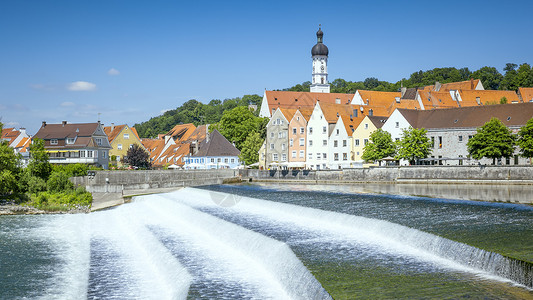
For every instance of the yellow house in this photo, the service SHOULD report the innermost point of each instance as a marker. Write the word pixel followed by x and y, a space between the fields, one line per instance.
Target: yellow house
pixel 121 138
pixel 361 135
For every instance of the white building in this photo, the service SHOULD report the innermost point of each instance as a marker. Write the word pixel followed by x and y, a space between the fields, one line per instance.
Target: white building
pixel 319 52
pixel 317 140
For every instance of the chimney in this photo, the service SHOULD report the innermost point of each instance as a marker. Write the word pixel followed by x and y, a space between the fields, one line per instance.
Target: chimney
pixel 112 126
pixel 403 90
pixel 471 83
pixel 64 123
pixel 23 131
pixel 44 124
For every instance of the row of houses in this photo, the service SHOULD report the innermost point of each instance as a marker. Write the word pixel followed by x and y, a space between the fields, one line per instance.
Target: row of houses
pixel 329 130
pixel 184 146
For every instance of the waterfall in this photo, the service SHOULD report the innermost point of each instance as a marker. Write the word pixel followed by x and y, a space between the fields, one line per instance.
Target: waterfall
pixel 267 264
pixel 389 237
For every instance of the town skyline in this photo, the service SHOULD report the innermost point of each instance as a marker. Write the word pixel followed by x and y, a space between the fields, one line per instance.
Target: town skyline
pixel 130 61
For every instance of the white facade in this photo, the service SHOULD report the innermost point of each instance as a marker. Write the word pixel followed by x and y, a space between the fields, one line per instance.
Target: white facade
pixel 317 140
pixel 395 125
pixel 339 146
pixel 319 83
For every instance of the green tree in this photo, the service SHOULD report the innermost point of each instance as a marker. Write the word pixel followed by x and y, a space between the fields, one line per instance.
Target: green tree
pixel 237 123
pixel 414 145
pixel 489 76
pixel 380 146
pixel 39 164
pixel 59 182
pixel 492 140
pixel 138 157
pixel 525 139
pixel 250 148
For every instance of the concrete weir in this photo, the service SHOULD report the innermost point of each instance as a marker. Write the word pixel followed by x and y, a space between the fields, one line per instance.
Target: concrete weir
pixel 111 188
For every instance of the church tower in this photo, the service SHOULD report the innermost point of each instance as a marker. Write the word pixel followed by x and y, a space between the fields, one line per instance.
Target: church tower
pixel 319 53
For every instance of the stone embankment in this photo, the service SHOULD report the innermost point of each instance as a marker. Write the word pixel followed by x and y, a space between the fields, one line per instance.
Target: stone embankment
pixel 411 174
pixel 110 188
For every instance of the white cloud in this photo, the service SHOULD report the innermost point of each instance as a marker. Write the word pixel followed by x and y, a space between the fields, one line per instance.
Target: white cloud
pixel 113 72
pixel 81 86
pixel 164 110
pixel 42 87
pixel 67 104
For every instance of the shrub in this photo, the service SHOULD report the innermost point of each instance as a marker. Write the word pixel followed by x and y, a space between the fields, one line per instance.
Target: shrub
pixel 8 182
pixel 59 182
pixel 36 185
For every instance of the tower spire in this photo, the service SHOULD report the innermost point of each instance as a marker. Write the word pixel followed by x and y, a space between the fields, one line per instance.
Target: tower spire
pixel 319 54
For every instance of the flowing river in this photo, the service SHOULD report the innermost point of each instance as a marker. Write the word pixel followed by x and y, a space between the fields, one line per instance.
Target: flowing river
pixel 272 242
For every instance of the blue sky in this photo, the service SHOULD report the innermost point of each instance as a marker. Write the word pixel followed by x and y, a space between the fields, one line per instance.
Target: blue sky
pixel 131 60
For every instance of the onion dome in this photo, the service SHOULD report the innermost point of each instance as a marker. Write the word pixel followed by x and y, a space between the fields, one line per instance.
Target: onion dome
pixel 319 48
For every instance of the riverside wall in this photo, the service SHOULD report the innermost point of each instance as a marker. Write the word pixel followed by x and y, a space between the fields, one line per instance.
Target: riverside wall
pixel 409 174
pixel 120 181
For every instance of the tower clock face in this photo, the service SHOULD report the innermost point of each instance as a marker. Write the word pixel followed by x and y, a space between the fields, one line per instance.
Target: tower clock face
pixel 322 68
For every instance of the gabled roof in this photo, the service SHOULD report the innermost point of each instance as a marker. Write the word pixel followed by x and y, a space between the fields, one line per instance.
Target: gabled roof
pixel 10 134
pixel 113 131
pixel 377 121
pixel 295 100
pixel 512 115
pixel 181 132
pixel 432 99
pixel 350 124
pixel 217 145
pixel 526 94
pixel 23 145
pixel 198 134
pixel 460 85
pixel 468 97
pixel 378 98
pixel 288 113
pixel 66 130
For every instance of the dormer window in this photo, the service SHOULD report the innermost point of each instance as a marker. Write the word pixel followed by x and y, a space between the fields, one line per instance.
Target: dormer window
pixel 70 141
pixel 53 142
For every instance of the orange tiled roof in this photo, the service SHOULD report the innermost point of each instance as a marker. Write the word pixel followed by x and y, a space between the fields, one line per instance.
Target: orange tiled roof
pixel 432 99
pixel 378 98
pixel 294 100
pixel 181 132
pixel 135 132
pixel 526 94
pixel 113 132
pixel 468 97
pixel 350 124
pixel 461 85
pixel 24 144
pixel 10 134
pixel 288 113
pixel 306 113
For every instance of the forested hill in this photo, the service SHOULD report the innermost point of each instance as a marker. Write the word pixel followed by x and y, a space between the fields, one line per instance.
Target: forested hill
pixel 198 113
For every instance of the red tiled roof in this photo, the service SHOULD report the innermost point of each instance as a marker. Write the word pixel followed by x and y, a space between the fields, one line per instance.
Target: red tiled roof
pixel 526 94
pixel 295 100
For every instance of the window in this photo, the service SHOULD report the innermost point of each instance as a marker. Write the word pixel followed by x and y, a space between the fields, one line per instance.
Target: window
pixel 82 154
pixel 302 142
pixel 98 141
pixel 301 154
pixel 118 157
pixel 310 130
pixel 226 160
pixel 460 138
pixel 324 129
pixel 294 130
pixel 336 156
pixel 324 155
pixel 284 157
pixel 131 146
pixel 280 135
pixel 271 146
pixel 366 125
pixel 103 154
pixel 310 155
pixel 272 134
pixel 310 143
pixel 291 143
pixel 432 142
pixel 345 156
pixel 365 141
pixel 302 130
pixel 344 143
pixel 212 160
pixel 293 153
pixel 70 140
pixel 337 133
pixel 282 146
pixel 126 136
pixel 318 156
pixel 469 137
pixel 278 121
pixel 324 142
pixel 119 146
pixel 440 141
pixel 53 142
pixel 335 143
pixel 232 160
pixel 90 153
pixel 357 142
pixel 371 112
pixel 219 159
pixel 397 124
pixel 274 156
